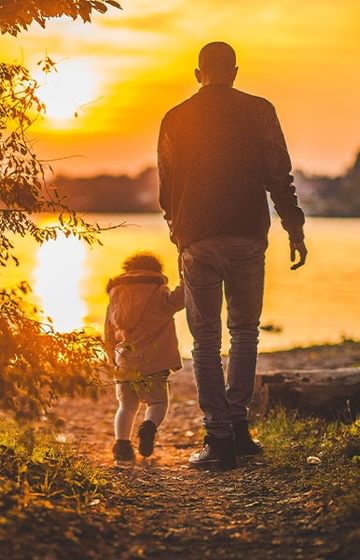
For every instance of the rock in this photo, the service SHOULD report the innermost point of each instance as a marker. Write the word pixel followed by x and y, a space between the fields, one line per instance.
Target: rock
pixel 312 460
pixel 330 393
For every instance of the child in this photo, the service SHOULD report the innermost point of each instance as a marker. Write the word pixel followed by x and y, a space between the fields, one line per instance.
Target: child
pixel 141 338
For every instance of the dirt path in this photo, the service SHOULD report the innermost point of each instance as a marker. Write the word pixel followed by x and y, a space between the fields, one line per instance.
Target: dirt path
pixel 172 512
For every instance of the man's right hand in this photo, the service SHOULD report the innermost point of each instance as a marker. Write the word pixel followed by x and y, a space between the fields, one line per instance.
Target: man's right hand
pixel 298 248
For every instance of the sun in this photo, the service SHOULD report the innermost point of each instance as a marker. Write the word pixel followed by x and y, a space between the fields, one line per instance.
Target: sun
pixel 66 90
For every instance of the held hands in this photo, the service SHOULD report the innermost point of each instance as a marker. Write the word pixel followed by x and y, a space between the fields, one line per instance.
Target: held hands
pixel 298 248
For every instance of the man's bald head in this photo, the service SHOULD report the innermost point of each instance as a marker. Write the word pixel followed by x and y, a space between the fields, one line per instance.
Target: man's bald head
pixel 217 55
pixel 217 64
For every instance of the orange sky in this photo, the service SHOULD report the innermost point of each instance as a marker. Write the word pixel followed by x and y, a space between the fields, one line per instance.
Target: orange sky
pixel 123 72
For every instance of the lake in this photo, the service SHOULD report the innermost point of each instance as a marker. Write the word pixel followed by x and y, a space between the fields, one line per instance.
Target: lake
pixel 315 304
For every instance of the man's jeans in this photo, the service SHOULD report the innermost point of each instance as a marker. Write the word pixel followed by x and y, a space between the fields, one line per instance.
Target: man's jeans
pixel 238 264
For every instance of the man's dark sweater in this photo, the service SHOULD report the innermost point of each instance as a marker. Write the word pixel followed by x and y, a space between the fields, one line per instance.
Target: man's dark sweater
pixel 219 152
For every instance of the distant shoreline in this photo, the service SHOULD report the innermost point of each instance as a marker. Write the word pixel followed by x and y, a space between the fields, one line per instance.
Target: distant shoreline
pixel 333 355
pixel 340 354
pixel 319 196
pixel 158 212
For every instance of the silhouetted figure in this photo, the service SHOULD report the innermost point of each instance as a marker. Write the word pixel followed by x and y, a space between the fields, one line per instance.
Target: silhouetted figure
pixel 141 342
pixel 219 152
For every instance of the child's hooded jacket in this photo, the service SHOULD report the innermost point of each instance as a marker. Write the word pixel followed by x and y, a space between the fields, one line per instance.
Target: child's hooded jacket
pixel 139 325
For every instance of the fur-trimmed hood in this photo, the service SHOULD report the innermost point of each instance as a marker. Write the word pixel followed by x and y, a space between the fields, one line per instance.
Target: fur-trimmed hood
pixel 136 277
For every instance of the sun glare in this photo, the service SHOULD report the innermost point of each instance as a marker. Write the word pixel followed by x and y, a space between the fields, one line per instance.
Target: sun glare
pixel 66 91
pixel 58 276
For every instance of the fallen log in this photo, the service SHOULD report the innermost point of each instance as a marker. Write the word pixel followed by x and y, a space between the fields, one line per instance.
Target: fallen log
pixel 330 393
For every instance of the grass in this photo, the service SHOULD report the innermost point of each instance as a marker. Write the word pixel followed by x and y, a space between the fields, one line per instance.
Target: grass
pixel 54 502
pixel 59 505
pixel 290 440
pixel 38 472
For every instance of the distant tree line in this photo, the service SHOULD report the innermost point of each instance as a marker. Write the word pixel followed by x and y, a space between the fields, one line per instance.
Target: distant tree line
pixel 111 193
pixel 319 195
pixel 331 196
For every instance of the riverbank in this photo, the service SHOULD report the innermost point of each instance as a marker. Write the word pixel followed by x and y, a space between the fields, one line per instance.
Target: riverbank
pixel 275 506
pixel 92 424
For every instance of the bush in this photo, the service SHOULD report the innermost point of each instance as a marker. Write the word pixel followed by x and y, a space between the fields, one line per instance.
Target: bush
pixel 36 470
pixel 38 364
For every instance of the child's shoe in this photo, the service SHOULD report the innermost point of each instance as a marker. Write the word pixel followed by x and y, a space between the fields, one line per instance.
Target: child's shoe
pixel 123 452
pixel 146 435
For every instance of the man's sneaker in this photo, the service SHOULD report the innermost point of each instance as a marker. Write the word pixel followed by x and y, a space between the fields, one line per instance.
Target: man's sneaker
pixel 244 444
pixel 216 454
pixel 123 452
pixel 146 435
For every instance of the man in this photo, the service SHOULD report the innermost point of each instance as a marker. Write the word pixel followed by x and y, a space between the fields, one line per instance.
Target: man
pixel 219 152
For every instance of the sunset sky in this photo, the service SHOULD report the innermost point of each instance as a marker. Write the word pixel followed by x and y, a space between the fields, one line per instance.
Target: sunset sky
pixel 126 69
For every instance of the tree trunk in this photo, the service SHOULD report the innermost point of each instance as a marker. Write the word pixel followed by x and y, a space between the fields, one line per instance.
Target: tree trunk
pixel 330 393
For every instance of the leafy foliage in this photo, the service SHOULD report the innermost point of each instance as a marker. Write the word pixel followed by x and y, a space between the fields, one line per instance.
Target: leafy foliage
pixel 24 189
pixel 38 364
pixel 17 15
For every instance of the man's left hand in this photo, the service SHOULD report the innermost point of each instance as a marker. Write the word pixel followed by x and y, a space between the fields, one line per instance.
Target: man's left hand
pixel 298 248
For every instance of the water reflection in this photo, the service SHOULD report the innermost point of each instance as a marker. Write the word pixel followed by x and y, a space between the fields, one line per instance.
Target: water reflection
pixel 317 303
pixel 58 275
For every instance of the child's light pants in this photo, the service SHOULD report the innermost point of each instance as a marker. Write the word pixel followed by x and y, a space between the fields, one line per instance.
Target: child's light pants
pixel 154 392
